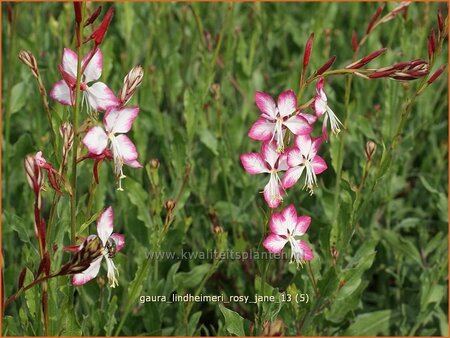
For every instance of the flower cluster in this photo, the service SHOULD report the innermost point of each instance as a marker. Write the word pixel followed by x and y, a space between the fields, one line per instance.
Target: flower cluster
pixel 107 141
pixel 102 143
pixel 281 123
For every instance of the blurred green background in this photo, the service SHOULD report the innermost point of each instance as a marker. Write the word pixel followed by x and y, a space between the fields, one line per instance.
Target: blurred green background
pixel 203 63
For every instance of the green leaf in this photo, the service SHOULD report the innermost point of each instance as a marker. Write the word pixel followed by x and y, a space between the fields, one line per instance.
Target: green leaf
pixel 402 246
pixel 209 140
pixel 370 324
pixel 234 323
pixel 19 97
pixel 110 316
pixel 138 196
pixel 93 218
pixel 191 279
pixel 190 115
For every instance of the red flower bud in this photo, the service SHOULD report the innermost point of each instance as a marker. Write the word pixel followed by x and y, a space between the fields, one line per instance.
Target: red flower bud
pixel 326 65
pixel 22 275
pixel 440 19
pixel 93 16
pixel 99 33
pixel 44 265
pixel 77 8
pixel 354 41
pixel 365 60
pixel 10 12
pixel 382 73
pixel 436 74
pixel 308 48
pixel 374 19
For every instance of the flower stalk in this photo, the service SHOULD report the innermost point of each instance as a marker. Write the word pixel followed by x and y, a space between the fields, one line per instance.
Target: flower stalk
pixel 76 141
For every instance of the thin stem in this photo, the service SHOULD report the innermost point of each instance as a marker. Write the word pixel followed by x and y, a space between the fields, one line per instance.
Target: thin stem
pixel 313 279
pixel 15 296
pixel 73 197
pixel 8 101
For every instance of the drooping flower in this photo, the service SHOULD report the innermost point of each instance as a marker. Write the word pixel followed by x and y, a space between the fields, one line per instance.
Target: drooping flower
pixel 269 162
pixel 321 107
pixel 97 95
pixel 111 243
pixel 53 175
pixel 116 121
pixel 303 157
pixel 275 118
pixel 286 227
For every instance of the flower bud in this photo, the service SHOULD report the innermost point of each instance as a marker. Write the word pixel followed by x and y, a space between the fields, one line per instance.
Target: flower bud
pixel 131 82
pixel 170 205
pixel 100 32
pixel 374 19
pixel 66 132
pixel 215 89
pixel 370 149
pixel 308 49
pixel 93 16
pixel 22 275
pixel 354 41
pixel 154 163
pixel 326 65
pixel 77 8
pixel 365 60
pixel 28 59
pixel 436 74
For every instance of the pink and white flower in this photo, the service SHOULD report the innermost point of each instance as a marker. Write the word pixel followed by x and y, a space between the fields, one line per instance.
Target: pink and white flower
pixel 268 162
pixel 275 118
pixel 53 175
pixel 321 107
pixel 286 227
pixel 97 95
pixel 111 244
pixel 116 121
pixel 303 157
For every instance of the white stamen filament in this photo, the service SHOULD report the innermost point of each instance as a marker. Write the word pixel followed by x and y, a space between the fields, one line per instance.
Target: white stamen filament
pixel 296 252
pixel 311 178
pixel 118 160
pixel 279 132
pixel 334 121
pixel 274 184
pixel 111 271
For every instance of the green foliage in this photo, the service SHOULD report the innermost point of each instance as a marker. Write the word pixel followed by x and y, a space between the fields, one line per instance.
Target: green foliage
pixel 379 229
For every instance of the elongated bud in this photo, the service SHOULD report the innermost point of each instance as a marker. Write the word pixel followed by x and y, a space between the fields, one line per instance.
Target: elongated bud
pixel 436 74
pixel 9 12
pixel 77 8
pixel 28 59
pixel 326 65
pixel 100 32
pixel 44 266
pixel 374 19
pixel 33 172
pixel 396 11
pixel 382 73
pixel 354 41
pixel 66 132
pixel 130 83
pixel 431 45
pixel 365 60
pixel 22 275
pixel 93 16
pixel 307 54
pixel 440 20
pixel 370 149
